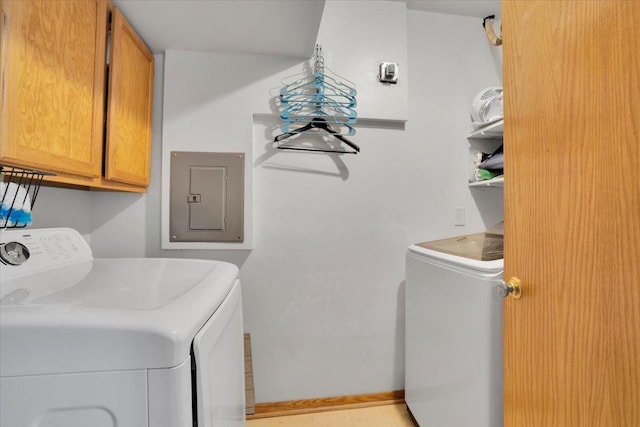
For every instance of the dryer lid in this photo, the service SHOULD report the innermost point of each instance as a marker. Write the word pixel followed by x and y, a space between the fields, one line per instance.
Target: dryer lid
pixel 107 314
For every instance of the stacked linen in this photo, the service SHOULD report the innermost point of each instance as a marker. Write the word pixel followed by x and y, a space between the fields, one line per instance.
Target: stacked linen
pixel 15 209
pixel 487 166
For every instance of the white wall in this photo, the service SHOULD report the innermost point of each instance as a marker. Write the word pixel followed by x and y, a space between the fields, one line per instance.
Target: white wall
pixel 58 207
pixel 323 286
pixel 356 37
pixel 117 225
pixel 450 62
pixel 210 98
pixel 312 213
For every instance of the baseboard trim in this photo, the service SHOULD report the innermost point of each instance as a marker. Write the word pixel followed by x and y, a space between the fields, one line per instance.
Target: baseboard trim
pixel 322 404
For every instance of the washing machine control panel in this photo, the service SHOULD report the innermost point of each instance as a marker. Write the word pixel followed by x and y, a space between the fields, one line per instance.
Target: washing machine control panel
pixel 28 251
pixel 14 253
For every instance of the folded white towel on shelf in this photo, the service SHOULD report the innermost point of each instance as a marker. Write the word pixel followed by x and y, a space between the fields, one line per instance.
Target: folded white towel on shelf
pixel 15 209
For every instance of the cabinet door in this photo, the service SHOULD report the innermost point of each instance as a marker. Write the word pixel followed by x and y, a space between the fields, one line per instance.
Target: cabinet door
pixel 128 148
pixel 52 84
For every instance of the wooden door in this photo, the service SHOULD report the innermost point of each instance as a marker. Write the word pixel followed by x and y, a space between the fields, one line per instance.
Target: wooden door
pixel 128 147
pixel 572 212
pixel 52 84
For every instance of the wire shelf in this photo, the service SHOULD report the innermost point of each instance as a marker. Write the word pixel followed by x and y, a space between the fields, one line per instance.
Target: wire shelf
pixel 19 189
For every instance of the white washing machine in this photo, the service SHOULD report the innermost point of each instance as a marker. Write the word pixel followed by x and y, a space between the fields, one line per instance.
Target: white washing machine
pixel 116 342
pixel 453 372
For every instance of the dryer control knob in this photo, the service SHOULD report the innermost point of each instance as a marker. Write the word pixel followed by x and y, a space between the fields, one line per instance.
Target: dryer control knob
pixel 14 253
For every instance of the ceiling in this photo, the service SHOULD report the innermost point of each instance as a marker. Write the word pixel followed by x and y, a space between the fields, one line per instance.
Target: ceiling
pixel 477 8
pixel 270 27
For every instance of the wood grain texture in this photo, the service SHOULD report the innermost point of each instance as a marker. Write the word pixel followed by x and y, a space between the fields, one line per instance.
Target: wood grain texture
pixel 305 406
pixel 394 415
pixel 128 146
pixel 250 399
pixel 85 183
pixel 572 213
pixel 52 85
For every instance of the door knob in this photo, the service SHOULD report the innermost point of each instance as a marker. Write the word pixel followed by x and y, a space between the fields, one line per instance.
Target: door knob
pixel 512 287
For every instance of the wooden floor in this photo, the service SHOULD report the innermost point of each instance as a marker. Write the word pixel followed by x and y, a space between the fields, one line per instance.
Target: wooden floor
pixel 374 416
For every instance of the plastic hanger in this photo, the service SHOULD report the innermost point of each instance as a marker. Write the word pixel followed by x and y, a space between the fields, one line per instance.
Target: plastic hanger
pixel 304 111
pixel 320 100
pixel 316 123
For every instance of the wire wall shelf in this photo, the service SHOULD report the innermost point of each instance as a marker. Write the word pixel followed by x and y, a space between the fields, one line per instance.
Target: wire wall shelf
pixel 19 189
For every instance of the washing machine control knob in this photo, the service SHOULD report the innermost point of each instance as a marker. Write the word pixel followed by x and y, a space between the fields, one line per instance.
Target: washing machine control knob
pixel 14 253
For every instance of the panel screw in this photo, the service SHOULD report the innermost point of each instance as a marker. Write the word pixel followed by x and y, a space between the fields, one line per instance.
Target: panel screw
pixel 173 237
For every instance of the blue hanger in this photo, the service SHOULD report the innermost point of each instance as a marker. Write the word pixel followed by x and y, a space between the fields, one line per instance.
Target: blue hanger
pixel 321 101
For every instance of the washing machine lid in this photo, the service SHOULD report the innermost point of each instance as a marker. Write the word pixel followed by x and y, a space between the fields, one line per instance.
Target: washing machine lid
pixel 480 251
pixel 106 314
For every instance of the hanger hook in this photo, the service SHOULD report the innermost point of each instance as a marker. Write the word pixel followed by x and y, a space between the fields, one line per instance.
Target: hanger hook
pixel 487 23
pixel 318 61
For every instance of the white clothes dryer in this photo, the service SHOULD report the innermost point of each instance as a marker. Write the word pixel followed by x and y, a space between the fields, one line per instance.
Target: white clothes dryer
pixel 453 372
pixel 116 342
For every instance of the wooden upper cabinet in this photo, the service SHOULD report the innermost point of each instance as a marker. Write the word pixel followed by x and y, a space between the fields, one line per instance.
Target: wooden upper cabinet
pixel 59 113
pixel 52 83
pixel 130 94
